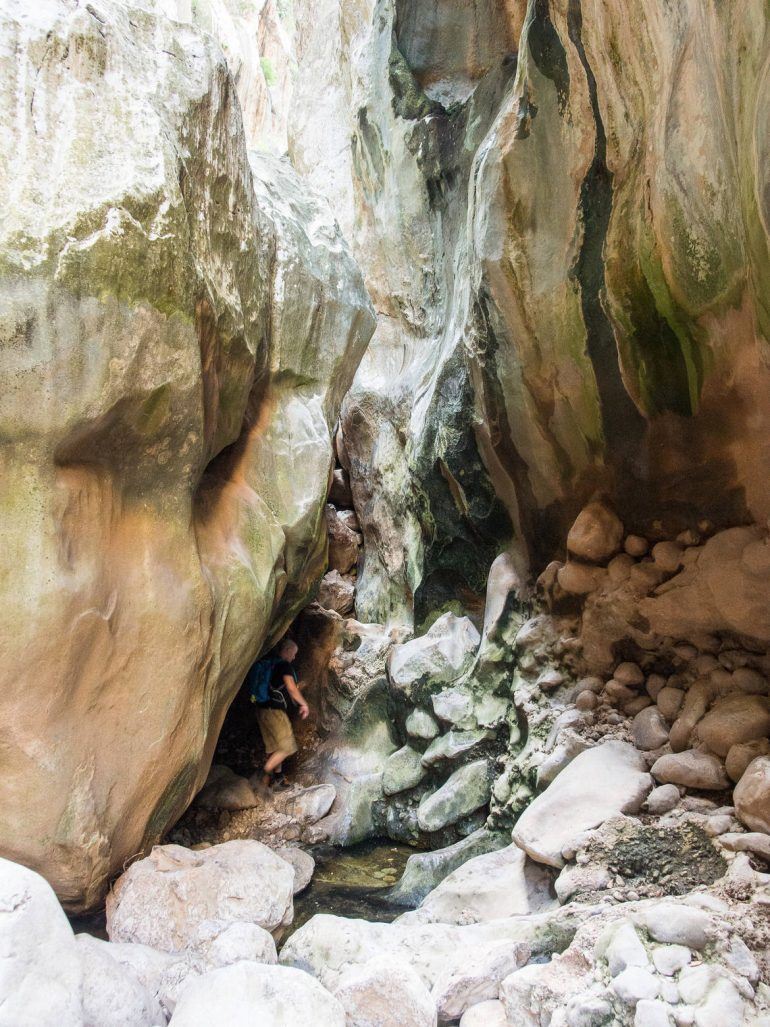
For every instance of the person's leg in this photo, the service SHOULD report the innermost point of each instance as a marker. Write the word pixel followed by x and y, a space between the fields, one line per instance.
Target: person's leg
pixel 274 760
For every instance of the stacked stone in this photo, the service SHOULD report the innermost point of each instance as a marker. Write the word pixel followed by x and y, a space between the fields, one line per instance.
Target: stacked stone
pixel 337 590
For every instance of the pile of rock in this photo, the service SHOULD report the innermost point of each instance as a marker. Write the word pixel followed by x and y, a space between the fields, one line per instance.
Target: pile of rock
pixel 337 590
pixel 192 942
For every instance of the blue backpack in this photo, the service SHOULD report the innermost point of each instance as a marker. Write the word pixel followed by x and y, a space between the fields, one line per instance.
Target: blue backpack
pixel 259 680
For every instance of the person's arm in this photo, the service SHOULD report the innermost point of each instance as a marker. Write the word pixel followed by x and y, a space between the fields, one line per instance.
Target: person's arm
pixel 291 687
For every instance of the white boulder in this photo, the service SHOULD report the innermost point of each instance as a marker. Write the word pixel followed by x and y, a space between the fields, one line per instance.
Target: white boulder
pixel 216 943
pixel 487 887
pixel 113 994
pixel 485 1014
pixel 161 900
pixel 478 979
pixel 247 994
pixel 40 966
pixel 385 992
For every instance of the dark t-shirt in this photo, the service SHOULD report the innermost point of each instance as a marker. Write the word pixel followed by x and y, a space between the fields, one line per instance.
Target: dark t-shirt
pixel 281 670
pixel 280 698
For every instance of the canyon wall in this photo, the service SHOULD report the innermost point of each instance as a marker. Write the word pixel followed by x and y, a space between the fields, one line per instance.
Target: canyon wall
pixel 561 213
pixel 178 330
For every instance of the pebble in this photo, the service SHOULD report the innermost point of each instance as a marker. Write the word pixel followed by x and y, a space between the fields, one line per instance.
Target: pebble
pixel 586 700
pixel 674 923
pixel 750 681
pixel 692 769
pixel 619 568
pixel 751 841
pixel 655 684
pixel 741 960
pixel 590 684
pixel 634 984
pixel 636 705
pixel 618 692
pixel 667 556
pixel 649 729
pixel 686 653
pixel 718 825
pixel 670 959
pixel 625 949
pixel 663 799
pixel 688 538
pixel 651 1013
pixel 629 674
pixel 636 546
pixel 669 702
pixel 705 663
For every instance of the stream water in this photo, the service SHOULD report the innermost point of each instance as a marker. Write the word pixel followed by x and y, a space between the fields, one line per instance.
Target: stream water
pixel 354 883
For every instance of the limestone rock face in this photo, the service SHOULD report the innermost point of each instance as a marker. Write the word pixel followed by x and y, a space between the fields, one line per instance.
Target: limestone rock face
pixel 256 37
pixel 563 223
pixel 178 331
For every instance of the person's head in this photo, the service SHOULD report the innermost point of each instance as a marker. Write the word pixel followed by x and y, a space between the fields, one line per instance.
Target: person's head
pixel 288 649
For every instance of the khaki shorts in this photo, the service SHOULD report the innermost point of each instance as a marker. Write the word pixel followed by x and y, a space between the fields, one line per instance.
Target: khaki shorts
pixel 277 734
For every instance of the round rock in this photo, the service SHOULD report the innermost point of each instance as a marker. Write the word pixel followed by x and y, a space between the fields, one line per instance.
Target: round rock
pixel 752 795
pixel 649 729
pixel 692 769
pixel 596 534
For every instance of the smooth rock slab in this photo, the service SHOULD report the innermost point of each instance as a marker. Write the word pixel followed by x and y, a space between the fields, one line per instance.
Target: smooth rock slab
pixel 248 994
pixel 385 992
pixel 161 900
pixel 600 782
pixel 692 769
pixel 462 793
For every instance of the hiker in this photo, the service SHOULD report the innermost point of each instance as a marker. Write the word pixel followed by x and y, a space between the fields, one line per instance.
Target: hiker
pixel 274 689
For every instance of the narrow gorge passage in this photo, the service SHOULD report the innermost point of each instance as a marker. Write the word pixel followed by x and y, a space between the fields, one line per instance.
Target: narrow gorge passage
pixel 430 337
